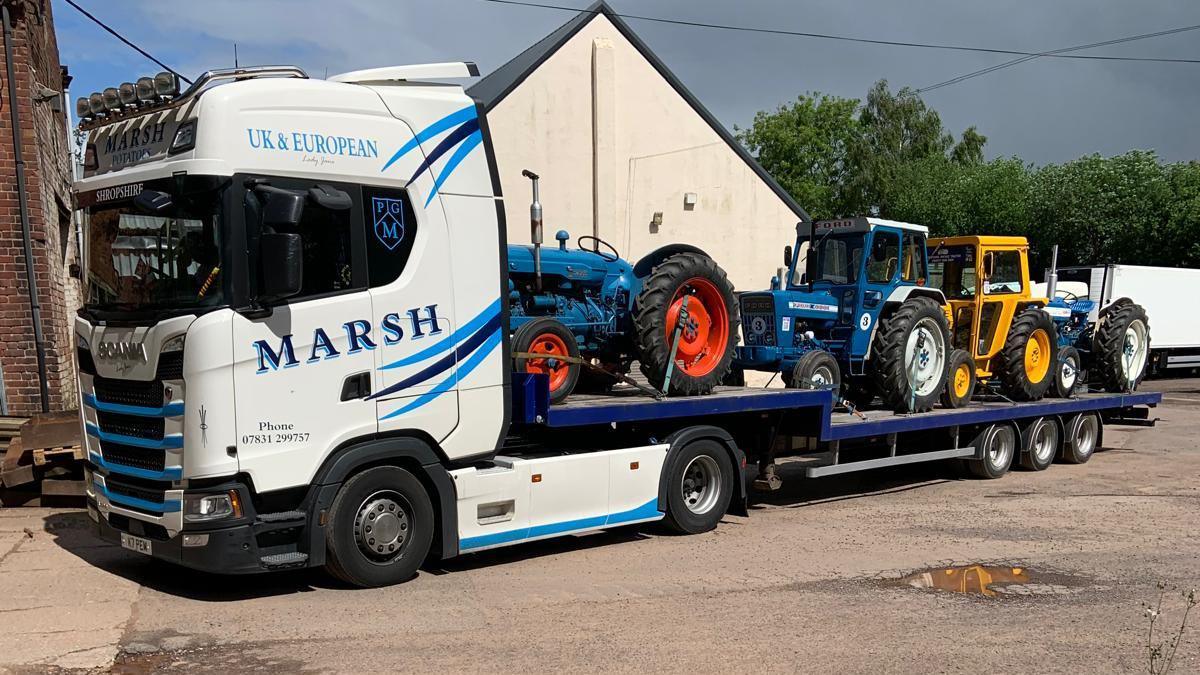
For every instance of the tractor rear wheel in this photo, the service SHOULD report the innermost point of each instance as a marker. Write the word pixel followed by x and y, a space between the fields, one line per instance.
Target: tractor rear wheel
pixel 1121 345
pixel 910 352
pixel 1027 361
pixel 960 380
pixel 551 337
pixel 708 337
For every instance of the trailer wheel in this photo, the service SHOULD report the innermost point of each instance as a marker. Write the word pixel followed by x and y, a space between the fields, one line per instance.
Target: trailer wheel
pixel 380 528
pixel 1066 373
pixel 551 337
pixel 1121 345
pixel 960 380
pixel 1083 434
pixel 699 487
pixel 910 349
pixel 995 447
pixel 1026 363
pixel 816 370
pixel 1041 444
pixel 708 339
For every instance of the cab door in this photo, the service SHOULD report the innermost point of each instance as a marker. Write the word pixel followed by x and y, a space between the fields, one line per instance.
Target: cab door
pixel 1001 283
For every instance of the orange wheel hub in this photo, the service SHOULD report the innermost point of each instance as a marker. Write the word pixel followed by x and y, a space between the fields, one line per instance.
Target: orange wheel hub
pixel 552 346
pixel 705 335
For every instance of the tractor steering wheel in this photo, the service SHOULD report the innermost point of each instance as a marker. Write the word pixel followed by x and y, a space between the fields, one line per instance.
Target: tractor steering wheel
pixel 597 242
pixel 1067 296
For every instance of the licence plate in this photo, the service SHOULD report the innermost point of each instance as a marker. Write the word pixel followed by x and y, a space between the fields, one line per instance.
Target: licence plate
pixel 135 543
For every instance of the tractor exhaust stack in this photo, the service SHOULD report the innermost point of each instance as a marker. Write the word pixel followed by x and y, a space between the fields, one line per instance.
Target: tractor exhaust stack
pixel 1052 276
pixel 535 228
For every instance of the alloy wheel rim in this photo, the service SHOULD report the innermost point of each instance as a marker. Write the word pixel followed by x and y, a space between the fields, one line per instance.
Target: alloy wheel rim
pixel 701 484
pixel 383 526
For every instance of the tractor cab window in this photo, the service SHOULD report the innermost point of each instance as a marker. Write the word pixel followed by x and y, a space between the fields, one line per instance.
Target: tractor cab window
pixel 884 258
pixel 952 269
pixel 914 259
pixel 839 258
pixel 1006 273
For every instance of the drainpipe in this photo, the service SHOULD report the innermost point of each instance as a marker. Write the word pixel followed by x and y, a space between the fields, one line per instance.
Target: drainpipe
pixel 35 307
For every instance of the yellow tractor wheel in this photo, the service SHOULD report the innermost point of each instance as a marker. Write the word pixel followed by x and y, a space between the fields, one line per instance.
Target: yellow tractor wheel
pixel 1026 364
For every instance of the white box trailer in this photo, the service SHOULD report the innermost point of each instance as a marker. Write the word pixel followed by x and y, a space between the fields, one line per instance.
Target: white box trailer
pixel 1167 293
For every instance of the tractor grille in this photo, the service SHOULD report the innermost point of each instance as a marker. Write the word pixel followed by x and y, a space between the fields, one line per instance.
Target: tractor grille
pixel 758 320
pixel 131 425
pixel 132 456
pixel 129 392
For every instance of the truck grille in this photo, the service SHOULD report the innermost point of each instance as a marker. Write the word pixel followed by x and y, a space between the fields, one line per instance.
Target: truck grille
pixel 170 366
pixel 138 458
pixel 131 425
pixel 129 392
pixel 758 320
pixel 138 490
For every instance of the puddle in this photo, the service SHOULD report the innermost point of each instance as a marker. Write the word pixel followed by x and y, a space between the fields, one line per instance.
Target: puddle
pixel 987 580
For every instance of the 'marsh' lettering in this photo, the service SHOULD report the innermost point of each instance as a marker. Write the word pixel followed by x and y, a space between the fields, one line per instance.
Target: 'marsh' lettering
pixel 422 321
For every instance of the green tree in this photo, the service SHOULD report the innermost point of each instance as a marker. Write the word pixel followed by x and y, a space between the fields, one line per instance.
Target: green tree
pixel 969 149
pixel 804 146
pixel 1179 243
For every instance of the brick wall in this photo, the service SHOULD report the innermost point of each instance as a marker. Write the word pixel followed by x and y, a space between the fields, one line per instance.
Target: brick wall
pixel 48 177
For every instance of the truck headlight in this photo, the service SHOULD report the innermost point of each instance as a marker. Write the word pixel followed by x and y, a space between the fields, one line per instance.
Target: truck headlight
pixel 174 344
pixel 204 508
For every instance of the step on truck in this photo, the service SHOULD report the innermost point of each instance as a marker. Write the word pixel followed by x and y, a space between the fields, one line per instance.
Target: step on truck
pixel 296 350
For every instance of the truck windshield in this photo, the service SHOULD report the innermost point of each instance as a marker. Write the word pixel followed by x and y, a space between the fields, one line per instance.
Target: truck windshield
pixel 839 259
pixel 170 261
pixel 952 269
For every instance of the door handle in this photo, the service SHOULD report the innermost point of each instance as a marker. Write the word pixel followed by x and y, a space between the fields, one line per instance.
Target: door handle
pixel 356 386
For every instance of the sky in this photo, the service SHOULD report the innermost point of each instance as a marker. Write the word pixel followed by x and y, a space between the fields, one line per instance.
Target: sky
pixel 1043 111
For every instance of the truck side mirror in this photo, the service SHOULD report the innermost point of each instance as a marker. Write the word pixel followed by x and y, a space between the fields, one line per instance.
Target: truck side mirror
pixel 282 272
pixel 810 267
pixel 152 202
pixel 284 208
pixel 787 256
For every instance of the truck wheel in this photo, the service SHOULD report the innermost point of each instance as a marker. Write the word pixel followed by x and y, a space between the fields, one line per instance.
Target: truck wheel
pixel 1083 434
pixel 816 370
pixel 1121 345
pixel 1041 444
pixel 706 345
pixel 1066 373
pixel 699 487
pixel 380 528
pixel 911 352
pixel 998 445
pixel 1026 363
pixel 550 337
pixel 960 380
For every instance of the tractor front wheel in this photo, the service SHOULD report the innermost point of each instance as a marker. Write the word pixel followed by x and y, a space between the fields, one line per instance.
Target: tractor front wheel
pixel 708 333
pixel 911 350
pixel 960 382
pixel 551 338
pixel 1030 354
pixel 1121 346
pixel 816 370
pixel 1066 373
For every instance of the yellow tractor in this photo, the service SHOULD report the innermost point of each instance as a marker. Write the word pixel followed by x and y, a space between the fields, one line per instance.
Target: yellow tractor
pixel 999 330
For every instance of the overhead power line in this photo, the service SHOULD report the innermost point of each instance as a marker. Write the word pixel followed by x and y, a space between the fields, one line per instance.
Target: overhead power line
pixel 1023 59
pixel 122 38
pixel 847 38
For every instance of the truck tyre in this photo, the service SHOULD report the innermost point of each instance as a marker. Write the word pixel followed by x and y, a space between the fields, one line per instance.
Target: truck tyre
pixel 1041 444
pixel 1121 345
pixel 816 370
pixel 1026 363
pixel 1066 373
pixel 995 446
pixel 699 487
pixel 911 350
pixel 706 345
pixel 960 380
pixel 551 337
pixel 1082 437
pixel 380 528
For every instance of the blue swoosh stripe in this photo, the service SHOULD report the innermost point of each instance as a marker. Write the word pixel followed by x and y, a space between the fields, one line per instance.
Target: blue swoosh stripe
pixel 170 473
pixel 646 511
pixel 168 442
pixel 493 310
pixel 445 363
pixel 466 129
pixel 452 120
pixel 169 506
pixel 442 387
pixel 451 164
pixel 168 410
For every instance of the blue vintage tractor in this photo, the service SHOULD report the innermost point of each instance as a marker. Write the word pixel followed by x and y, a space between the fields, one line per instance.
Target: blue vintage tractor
pixel 567 306
pixel 857 318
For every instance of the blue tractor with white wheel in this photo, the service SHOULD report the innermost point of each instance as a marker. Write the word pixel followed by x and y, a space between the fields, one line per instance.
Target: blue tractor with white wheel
pixel 583 316
pixel 855 316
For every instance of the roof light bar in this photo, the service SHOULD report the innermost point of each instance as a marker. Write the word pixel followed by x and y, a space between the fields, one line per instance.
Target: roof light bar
pixel 112 99
pixel 145 89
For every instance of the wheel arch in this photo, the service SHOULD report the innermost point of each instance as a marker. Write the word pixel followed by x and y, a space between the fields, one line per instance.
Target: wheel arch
pixel 682 438
pixel 648 262
pixel 901 293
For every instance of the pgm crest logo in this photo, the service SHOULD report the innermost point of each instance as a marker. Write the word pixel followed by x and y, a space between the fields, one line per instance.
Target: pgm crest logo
pixel 389 221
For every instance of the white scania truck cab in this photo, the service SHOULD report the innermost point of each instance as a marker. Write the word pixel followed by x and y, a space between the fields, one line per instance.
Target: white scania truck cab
pixel 294 347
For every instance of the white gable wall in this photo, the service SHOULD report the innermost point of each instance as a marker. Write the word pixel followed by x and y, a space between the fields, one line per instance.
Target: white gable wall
pixel 650 149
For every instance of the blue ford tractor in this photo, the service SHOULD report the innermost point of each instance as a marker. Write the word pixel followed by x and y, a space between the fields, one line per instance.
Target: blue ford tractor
pixel 855 317
pixel 582 316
